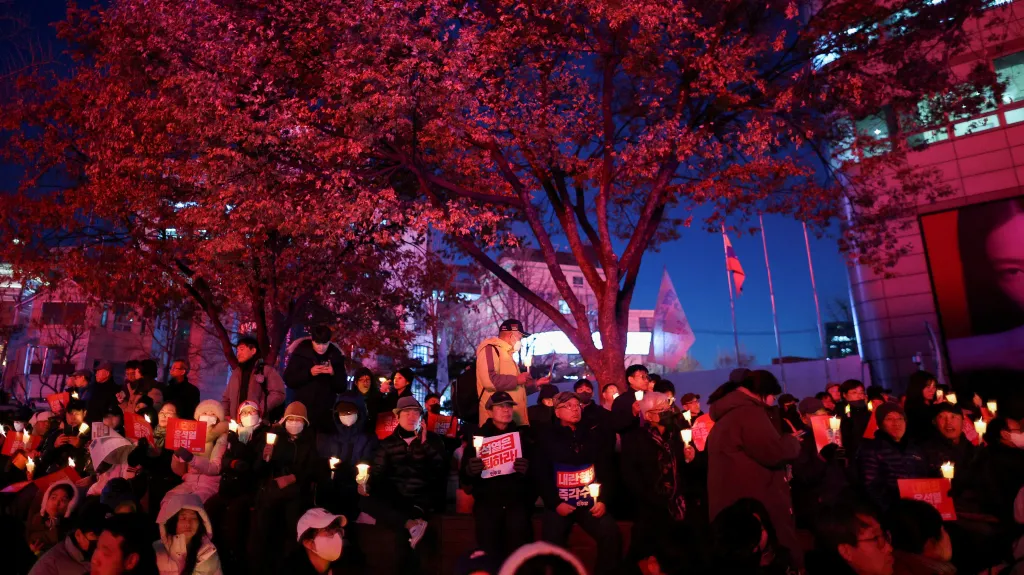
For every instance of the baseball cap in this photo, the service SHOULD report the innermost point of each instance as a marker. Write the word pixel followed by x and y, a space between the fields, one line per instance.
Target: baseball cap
pixel 810 405
pixel 500 398
pixel 513 325
pixel 317 518
pixel 407 402
pixel 82 373
pixel 687 398
pixel 565 397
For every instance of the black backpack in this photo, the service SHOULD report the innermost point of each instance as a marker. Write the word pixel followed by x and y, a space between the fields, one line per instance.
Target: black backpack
pixel 467 400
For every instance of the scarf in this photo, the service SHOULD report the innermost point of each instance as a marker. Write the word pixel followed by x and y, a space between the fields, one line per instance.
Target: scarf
pixel 243 381
pixel 159 436
pixel 667 486
pixel 245 433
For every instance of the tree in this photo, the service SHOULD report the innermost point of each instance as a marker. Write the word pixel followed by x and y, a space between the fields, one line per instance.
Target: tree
pixel 728 358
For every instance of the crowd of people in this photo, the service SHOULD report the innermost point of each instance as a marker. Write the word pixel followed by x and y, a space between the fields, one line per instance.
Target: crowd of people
pixel 296 471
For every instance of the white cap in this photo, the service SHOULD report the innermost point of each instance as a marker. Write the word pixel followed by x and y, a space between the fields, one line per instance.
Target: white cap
pixel 317 518
pixel 40 416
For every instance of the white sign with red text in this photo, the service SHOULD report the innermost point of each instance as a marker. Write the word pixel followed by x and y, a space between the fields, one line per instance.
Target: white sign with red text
pixel 500 453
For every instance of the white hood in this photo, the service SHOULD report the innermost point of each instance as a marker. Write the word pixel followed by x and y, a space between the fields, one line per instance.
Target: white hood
pixel 176 502
pixel 71 504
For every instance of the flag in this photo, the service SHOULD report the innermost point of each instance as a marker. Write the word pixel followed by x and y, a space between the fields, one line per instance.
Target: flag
pixel 732 263
pixel 672 336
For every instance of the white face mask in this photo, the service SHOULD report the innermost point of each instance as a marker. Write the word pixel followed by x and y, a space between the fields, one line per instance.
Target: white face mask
pixel 294 427
pixel 209 420
pixel 250 420
pixel 19 426
pixel 516 346
pixel 349 419
pixel 1017 437
pixel 328 547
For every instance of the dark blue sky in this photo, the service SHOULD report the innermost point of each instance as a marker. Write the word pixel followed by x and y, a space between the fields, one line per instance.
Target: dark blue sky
pixel 697 267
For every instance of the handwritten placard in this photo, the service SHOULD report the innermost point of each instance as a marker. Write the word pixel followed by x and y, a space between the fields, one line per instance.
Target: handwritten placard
pixel 186 433
pixel 573 484
pixel 386 424
pixel 443 425
pixel 701 428
pixel 932 491
pixel 58 401
pixel 136 427
pixel 499 454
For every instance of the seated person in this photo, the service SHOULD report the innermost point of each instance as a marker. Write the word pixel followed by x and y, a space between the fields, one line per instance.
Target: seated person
pixel 889 457
pixel 850 540
pixel 919 539
pixel 72 555
pixel 65 440
pixel 185 544
pixel 320 535
pixel 50 523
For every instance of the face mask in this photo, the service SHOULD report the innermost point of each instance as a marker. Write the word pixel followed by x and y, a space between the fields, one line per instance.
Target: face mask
pixel 1017 437
pixel 328 547
pixel 294 426
pixel 251 420
pixel 586 398
pixel 516 346
pixel 348 419
pixel 19 426
pixel 209 420
pixel 859 403
pixel 435 409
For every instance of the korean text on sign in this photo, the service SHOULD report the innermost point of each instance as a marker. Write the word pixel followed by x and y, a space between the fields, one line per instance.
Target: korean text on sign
pixel 16 441
pixel 186 433
pixel 136 427
pixel 701 429
pixel 444 425
pixel 934 492
pixel 573 484
pixel 386 424
pixel 499 454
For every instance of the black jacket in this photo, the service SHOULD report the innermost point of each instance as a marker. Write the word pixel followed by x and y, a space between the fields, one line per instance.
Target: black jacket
pixel 410 475
pixel 237 468
pixel 54 458
pixel 390 401
pixel 541 417
pixel 101 396
pixel 642 476
pixel 297 563
pixel 185 398
pixel 503 489
pixel 317 392
pixel 883 461
pixel 622 418
pixel 939 450
pixel 291 456
pixel 991 482
pixel 853 426
pixel 575 447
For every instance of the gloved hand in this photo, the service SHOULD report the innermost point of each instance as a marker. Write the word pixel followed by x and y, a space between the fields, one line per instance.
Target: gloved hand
pixel 521 465
pixel 475 466
pixel 183 454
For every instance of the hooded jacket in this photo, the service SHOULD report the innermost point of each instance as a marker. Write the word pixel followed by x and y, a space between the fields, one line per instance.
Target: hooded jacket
pixel 883 461
pixel 172 551
pixel 63 559
pixel 112 450
pixel 316 392
pixel 351 444
pixel 49 530
pixel 747 458
pixel 202 475
pixel 497 371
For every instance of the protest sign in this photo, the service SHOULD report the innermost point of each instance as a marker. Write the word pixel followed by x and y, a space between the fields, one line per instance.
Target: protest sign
pixel 573 484
pixel 932 491
pixel 100 429
pixel 136 427
pixel 444 425
pixel 386 424
pixel 16 441
pixel 42 483
pixel 701 428
pixel 500 453
pixel 869 431
pixel 821 431
pixel 58 401
pixel 186 433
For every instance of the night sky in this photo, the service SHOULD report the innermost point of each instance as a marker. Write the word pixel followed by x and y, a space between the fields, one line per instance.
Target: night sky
pixel 696 264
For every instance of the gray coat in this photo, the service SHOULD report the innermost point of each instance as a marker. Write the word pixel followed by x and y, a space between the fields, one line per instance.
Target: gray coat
pixel 271 379
pixel 65 558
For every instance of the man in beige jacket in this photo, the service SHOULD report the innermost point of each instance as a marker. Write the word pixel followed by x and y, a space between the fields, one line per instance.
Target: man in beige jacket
pixel 496 370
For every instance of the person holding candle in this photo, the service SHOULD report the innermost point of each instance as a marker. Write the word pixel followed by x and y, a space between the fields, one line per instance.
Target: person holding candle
pixel 949 442
pixel 608 394
pixel 348 441
pixel 625 411
pixel 400 386
pixel 103 390
pixel 570 456
pixel 200 472
pixel 497 370
pixel 990 483
pixel 315 374
pixel 818 478
pixel 501 505
pixel 691 402
pixel 49 523
pixel 65 440
pixel 853 425
pixel 892 455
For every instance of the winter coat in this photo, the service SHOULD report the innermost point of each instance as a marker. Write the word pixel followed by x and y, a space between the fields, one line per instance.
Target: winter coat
pixel 63 559
pixel 201 475
pixel 297 563
pixel 818 479
pixel 113 451
pixel 290 456
pixel 497 371
pixel 237 475
pixel 622 417
pixel 913 564
pixel 410 474
pixel 101 396
pixel 49 530
pixel 54 458
pixel 267 378
pixel 991 482
pixel 882 461
pixel 317 392
pixel 389 402
pixel 183 395
pixel 172 551
pixel 853 426
pixel 577 448
pixel 920 426
pixel 939 450
pixel 653 491
pixel 541 417
pixel 747 458
pixel 351 445
pixel 503 489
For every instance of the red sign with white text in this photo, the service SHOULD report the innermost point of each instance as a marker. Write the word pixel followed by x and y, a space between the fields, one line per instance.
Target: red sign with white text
pixel 443 425
pixel 136 427
pixel 386 424
pixel 701 428
pixel 186 433
pixel 500 453
pixel 58 401
pixel 932 491
pixel 821 430
pixel 16 441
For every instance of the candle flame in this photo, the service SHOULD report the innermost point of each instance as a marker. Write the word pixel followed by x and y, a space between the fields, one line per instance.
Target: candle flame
pixel 83 428
pixel 951 397
pixel 71 462
pixel 334 461
pixel 947 469
pixel 687 435
pixel 595 490
pixel 271 438
pixel 148 420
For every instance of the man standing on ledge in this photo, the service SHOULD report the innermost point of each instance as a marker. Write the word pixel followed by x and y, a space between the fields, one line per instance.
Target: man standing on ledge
pixel 496 370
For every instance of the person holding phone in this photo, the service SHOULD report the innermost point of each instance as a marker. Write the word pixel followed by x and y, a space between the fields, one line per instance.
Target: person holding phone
pixel 316 375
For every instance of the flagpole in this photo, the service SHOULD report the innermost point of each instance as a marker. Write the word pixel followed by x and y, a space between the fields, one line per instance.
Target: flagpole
pixel 817 308
pixel 732 299
pixel 771 293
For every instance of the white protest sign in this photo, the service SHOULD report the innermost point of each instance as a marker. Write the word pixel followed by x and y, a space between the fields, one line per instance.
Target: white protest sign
pixel 499 454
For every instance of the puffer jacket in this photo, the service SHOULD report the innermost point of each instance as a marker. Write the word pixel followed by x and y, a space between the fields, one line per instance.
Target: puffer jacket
pixel 410 474
pixel 351 445
pixel 49 530
pixel 939 450
pixel 172 551
pixel 316 392
pixel 747 457
pixel 290 456
pixel 202 475
pixel 883 461
pixel 513 488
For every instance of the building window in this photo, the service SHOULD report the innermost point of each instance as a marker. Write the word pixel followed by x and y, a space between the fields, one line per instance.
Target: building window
pixel 646 324
pixel 419 353
pixel 1010 70
pixel 563 308
pixel 577 281
pixel 55 313
pixel 123 318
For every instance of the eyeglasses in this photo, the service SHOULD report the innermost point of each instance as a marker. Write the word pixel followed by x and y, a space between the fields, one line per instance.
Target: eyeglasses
pixel 881 540
pixel 572 406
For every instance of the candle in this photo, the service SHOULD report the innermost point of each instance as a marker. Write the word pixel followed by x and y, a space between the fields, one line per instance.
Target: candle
pixel 687 435
pixel 951 397
pixel 271 438
pixel 232 425
pixel 83 428
pixel 26 437
pixel 30 466
pixel 478 442
pixel 615 396
pixel 938 395
pixel 528 361
pixel 74 394
pixel 595 490
pixel 980 426
pixel 71 462
pixel 687 416
pixel 992 407
pixel 871 406
pixel 847 409
pixel 383 379
pixel 148 420
pixel 362 472
pixel 638 395
pixel 334 461
pixel 2 432
pixel 947 469
pixel 834 423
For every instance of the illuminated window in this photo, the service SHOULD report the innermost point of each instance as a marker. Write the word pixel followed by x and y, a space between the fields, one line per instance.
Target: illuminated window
pixel 1010 70
pixel 419 353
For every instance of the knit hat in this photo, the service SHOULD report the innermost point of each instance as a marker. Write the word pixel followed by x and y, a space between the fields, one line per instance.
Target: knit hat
pixel 296 409
pixel 407 402
pixel 210 407
pixel 547 392
pixel 810 406
pixel 887 408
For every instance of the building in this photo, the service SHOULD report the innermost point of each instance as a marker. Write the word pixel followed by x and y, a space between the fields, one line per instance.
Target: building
pixel 982 159
pixel 841 337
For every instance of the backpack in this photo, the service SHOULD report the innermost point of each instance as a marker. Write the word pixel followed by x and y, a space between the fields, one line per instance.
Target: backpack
pixel 467 400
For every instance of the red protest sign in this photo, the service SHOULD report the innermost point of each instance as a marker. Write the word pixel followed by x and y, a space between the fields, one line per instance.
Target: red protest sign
pixel 58 401
pixel 821 431
pixel 500 453
pixel 186 433
pixel 136 427
pixel 386 424
pixel 444 425
pixel 701 428
pixel 932 491
pixel 869 431
pixel 16 441
pixel 68 473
